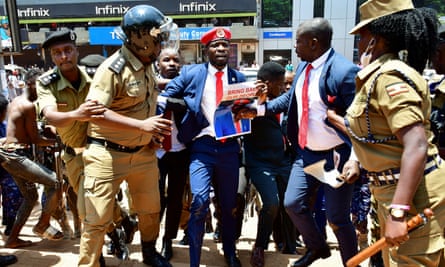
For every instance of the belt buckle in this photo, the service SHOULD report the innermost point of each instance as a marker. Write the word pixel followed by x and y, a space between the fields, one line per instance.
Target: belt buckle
pixel 122 148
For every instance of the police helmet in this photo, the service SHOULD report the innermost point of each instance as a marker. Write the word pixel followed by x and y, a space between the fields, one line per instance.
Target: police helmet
pixel 143 27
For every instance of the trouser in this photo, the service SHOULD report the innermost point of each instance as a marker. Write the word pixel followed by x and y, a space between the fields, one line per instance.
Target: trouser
pixel 25 173
pixel 425 244
pixel 271 184
pixel 302 187
pixel 176 166
pixel 105 170
pixel 211 159
pixel 75 174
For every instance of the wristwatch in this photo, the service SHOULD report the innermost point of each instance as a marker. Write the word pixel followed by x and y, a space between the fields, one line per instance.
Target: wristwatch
pixel 397 214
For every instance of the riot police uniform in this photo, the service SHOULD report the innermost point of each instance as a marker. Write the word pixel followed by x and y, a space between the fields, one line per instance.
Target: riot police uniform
pixel 126 86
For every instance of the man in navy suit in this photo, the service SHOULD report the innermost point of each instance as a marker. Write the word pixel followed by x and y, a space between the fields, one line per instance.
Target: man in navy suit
pixel 330 86
pixel 210 159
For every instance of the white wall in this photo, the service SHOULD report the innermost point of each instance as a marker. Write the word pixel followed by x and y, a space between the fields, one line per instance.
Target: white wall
pixel 340 13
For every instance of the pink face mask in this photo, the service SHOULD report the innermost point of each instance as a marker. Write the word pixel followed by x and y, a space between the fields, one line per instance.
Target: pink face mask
pixel 366 56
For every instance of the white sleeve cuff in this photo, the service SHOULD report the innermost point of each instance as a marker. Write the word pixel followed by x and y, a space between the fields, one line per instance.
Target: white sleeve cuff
pixel 261 109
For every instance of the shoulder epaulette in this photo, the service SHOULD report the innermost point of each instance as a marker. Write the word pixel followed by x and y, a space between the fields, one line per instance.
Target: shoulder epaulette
pixel 118 64
pixel 49 78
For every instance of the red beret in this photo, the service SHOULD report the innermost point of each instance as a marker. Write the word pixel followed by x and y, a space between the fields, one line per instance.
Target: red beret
pixel 216 34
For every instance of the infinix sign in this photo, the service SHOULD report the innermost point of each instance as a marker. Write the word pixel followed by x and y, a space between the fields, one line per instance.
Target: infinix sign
pixel 197 7
pixel 111 10
pixel 33 12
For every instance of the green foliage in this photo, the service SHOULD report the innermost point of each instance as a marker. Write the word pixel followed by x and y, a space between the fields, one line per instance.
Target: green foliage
pixel 277 13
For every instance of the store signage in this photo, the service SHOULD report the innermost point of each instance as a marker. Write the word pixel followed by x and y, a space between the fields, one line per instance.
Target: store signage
pixel 101 8
pixel 197 7
pixel 192 33
pixel 107 36
pixel 103 36
pixel 277 35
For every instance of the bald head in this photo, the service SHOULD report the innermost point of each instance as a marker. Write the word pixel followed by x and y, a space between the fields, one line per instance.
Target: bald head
pixel 318 28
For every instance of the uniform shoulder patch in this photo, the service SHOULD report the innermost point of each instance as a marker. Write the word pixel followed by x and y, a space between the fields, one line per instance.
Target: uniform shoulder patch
pixel 49 78
pixel 396 88
pixel 118 64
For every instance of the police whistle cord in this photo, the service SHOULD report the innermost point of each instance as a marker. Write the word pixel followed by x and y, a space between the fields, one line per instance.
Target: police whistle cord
pixel 414 223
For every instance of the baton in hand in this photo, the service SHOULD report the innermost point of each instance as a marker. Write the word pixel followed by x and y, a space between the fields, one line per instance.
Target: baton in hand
pixel 415 222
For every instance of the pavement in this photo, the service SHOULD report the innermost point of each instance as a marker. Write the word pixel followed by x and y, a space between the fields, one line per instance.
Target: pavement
pixel 65 252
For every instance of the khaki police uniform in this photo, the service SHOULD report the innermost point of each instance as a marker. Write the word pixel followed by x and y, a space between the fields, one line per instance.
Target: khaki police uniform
pixel 54 90
pixel 123 84
pixel 393 104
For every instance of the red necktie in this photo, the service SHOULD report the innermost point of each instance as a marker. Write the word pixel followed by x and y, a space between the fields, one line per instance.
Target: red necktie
pixel 278 116
pixel 219 86
pixel 167 142
pixel 302 132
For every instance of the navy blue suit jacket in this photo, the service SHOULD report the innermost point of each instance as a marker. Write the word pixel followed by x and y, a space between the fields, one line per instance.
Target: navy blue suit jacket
pixel 337 90
pixel 189 85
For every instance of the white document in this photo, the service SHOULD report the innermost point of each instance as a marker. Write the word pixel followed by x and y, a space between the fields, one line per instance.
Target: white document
pixel 331 178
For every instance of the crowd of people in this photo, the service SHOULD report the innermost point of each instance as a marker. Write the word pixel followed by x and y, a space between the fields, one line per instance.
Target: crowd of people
pixel 141 126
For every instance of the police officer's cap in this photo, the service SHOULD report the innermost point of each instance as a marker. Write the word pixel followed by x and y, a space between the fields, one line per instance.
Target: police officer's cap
pixel 374 9
pixel 93 60
pixel 59 37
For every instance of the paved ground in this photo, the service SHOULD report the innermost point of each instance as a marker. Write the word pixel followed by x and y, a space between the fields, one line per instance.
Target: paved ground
pixel 65 252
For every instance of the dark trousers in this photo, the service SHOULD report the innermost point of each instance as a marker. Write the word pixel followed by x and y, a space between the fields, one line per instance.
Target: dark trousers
pixel 301 189
pixel 176 166
pixel 217 161
pixel 271 184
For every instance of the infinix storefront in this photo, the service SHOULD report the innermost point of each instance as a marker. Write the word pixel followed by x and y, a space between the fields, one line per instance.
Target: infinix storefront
pixel 86 17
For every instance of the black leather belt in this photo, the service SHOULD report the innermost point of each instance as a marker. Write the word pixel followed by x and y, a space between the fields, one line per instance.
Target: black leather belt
pixel 112 145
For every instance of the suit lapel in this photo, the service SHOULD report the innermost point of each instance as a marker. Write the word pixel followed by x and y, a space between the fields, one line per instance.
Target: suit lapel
pixel 200 85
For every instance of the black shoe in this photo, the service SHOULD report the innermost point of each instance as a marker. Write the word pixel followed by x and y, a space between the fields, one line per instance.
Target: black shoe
pixel 117 245
pixel 156 260
pixel 290 251
pixel 185 240
pixel 233 261
pixel 217 235
pixel 110 249
pixel 102 261
pixel 151 256
pixel 208 228
pixel 167 250
pixel 130 226
pixel 7 260
pixel 312 255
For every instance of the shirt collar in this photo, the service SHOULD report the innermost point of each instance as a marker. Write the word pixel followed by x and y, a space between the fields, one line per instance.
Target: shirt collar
pixel 321 59
pixel 213 70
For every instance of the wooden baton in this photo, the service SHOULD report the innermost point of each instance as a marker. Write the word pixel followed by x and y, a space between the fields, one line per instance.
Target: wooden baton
pixel 418 220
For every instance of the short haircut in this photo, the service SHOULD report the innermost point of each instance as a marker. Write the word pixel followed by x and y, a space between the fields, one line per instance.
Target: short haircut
pixel 270 71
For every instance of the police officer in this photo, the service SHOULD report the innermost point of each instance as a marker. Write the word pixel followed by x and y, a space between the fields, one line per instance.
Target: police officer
pixel 91 63
pixel 61 100
pixel 118 236
pixel 390 130
pixel 121 144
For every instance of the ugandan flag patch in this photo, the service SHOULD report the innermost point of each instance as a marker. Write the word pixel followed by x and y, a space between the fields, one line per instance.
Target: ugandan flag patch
pixel 396 89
